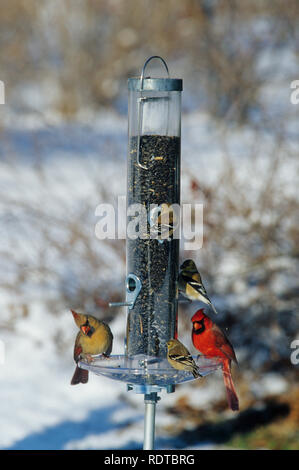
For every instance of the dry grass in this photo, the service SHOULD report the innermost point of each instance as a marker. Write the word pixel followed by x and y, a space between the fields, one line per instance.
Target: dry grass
pixel 84 51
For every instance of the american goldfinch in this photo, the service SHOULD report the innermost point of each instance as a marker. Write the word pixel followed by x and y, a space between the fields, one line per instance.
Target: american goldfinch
pixel 211 341
pixel 190 283
pixel 163 221
pixel 94 337
pixel 179 357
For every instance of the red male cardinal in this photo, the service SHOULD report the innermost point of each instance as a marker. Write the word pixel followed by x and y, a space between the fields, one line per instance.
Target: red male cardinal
pixel 210 340
pixel 94 337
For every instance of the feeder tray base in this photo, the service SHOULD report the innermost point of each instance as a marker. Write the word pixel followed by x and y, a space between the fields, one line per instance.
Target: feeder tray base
pixel 145 374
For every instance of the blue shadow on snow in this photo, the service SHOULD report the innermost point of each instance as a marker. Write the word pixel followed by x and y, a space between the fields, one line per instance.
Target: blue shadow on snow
pixel 56 437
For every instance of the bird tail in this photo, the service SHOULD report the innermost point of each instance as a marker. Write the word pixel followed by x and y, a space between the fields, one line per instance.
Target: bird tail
pixel 231 393
pixel 205 299
pixel 215 311
pixel 80 376
pixel 196 373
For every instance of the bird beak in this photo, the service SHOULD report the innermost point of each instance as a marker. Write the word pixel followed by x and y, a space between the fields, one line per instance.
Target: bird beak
pixel 84 329
pixel 87 330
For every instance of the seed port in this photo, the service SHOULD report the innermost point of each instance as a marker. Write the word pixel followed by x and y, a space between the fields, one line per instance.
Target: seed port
pixel 131 284
pixel 133 288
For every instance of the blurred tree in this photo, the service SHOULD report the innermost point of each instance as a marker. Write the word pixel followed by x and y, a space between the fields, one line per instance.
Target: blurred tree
pixel 86 50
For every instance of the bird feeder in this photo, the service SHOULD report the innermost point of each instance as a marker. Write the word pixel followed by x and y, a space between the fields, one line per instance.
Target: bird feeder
pixel 153 223
pixel 153 184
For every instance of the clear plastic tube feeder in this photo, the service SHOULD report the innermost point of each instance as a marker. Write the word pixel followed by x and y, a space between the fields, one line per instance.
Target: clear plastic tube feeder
pixel 153 224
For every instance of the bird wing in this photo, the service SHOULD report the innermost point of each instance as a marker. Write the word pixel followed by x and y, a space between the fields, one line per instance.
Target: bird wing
pixel 77 347
pixel 109 349
pixel 222 342
pixel 185 359
pixel 196 284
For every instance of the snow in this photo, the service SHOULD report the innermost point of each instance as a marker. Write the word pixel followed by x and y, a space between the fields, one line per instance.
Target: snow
pixel 37 383
pixel 272 384
pixel 45 412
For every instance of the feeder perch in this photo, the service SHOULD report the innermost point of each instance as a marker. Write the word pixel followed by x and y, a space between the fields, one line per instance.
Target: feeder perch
pixel 153 185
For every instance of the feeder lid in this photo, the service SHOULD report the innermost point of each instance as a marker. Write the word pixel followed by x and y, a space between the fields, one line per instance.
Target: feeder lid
pixel 143 83
pixel 155 84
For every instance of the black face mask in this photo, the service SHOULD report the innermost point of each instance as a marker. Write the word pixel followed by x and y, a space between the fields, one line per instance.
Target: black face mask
pixel 90 329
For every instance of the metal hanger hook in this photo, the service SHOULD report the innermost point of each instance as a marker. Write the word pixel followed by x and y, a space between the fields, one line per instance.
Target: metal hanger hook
pixel 139 104
pixel 145 65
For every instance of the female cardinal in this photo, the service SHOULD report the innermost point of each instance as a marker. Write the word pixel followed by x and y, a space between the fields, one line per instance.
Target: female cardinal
pixel 190 283
pixel 179 357
pixel 94 337
pixel 210 340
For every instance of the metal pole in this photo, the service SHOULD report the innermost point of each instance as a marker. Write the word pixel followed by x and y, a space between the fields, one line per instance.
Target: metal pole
pixel 150 400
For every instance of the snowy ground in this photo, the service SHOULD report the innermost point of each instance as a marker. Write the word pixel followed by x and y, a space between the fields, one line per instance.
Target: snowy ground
pixel 38 407
pixel 40 410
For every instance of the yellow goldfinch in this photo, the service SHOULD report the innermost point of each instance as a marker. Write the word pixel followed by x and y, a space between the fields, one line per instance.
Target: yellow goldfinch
pixel 179 357
pixel 163 221
pixel 190 283
pixel 94 337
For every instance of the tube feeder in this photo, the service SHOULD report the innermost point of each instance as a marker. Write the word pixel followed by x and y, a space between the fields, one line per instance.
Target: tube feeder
pixel 153 224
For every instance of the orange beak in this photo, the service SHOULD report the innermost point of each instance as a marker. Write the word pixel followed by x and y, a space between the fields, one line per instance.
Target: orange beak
pixel 196 325
pixel 85 329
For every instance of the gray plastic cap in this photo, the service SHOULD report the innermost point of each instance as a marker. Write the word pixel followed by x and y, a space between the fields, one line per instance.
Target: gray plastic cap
pixel 155 84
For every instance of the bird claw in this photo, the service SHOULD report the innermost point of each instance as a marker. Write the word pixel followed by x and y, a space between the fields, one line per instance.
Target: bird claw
pixel 88 358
